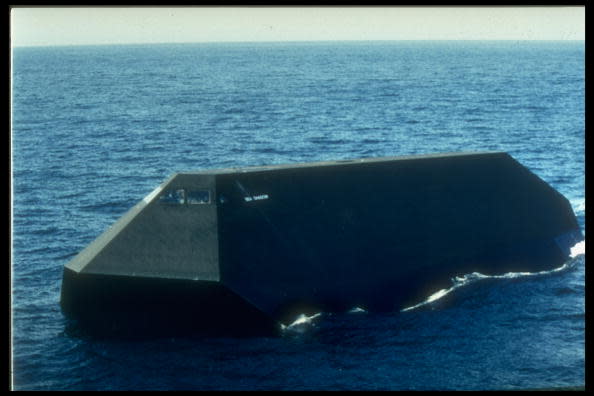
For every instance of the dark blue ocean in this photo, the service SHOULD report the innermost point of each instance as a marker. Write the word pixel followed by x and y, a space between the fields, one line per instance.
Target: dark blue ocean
pixel 96 128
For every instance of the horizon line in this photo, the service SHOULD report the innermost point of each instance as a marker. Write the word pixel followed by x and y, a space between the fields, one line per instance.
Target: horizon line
pixel 294 42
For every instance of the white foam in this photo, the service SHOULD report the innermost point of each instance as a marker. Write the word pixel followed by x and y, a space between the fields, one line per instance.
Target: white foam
pixel 438 295
pixel 578 249
pixel 467 279
pixel 302 322
pixel 434 297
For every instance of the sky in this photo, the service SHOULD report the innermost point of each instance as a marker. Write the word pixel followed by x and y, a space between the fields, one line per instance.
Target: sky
pixel 48 26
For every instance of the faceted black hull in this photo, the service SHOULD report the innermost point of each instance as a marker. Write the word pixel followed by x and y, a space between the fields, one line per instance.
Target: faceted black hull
pixel 259 246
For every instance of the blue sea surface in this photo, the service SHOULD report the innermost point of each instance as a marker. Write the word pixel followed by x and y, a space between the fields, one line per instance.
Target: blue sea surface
pixel 97 128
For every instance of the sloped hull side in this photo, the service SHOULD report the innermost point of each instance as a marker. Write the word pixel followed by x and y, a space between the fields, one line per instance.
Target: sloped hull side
pixel 384 235
pixel 159 238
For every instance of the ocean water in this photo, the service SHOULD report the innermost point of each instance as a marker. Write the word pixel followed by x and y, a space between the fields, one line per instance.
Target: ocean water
pixel 96 128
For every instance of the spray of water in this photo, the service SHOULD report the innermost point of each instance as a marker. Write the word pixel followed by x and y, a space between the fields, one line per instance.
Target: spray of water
pixel 301 324
pixel 578 249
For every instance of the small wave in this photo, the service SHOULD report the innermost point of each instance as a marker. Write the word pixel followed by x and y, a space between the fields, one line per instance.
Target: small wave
pixel 270 150
pixel 370 141
pixel 66 256
pixel 327 141
pixel 107 207
pixel 233 110
pixel 76 194
pixel 45 231
pixel 564 291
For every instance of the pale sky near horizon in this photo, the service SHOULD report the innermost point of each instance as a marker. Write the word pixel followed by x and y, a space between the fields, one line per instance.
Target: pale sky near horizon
pixel 45 26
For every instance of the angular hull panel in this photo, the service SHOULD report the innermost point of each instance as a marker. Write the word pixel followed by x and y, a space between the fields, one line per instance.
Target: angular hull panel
pixel 375 233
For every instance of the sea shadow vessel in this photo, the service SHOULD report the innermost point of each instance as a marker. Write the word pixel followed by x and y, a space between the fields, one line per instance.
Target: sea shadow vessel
pixel 244 250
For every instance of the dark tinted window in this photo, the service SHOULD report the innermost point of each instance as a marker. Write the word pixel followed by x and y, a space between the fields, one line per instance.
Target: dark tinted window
pixel 199 197
pixel 173 197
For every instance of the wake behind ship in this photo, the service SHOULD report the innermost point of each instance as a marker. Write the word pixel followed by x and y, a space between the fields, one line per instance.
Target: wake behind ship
pixel 244 250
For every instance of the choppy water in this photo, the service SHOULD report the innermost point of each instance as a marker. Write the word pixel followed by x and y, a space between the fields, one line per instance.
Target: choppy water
pixel 95 129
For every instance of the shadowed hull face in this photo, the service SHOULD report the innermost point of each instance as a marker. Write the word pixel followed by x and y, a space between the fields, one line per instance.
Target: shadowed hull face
pixel 129 307
pixel 242 249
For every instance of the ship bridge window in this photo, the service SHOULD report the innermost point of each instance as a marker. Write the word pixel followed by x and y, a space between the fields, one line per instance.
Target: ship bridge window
pixel 173 197
pixel 196 197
